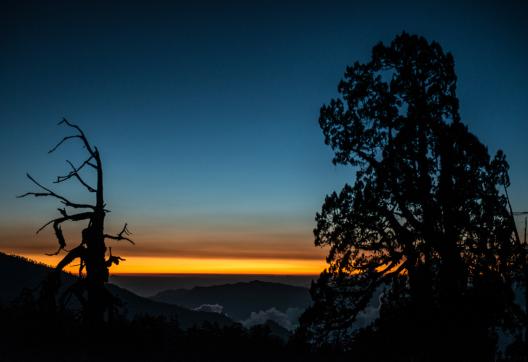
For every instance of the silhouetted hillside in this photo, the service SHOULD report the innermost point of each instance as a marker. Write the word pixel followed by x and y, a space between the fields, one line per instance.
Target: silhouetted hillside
pixel 19 273
pixel 277 330
pixel 134 305
pixel 239 300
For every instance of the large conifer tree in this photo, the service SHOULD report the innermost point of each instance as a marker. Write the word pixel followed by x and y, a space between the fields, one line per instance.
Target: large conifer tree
pixel 427 221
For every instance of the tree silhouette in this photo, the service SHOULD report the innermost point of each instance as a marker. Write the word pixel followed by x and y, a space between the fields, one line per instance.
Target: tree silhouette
pixel 426 226
pixel 90 288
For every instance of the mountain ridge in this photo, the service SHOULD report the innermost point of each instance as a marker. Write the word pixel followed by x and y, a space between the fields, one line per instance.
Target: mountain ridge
pixel 26 274
pixel 240 299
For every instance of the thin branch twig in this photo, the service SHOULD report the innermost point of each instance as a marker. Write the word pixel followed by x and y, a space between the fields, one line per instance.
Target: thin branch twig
pixel 80 135
pixel 64 200
pixel 120 235
pixel 75 173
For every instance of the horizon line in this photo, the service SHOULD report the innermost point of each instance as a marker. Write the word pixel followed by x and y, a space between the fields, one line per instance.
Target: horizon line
pixel 151 266
pixel 213 274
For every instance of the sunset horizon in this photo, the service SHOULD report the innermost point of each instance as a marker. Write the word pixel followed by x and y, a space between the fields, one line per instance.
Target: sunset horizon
pixel 214 166
pixel 264 180
pixel 137 266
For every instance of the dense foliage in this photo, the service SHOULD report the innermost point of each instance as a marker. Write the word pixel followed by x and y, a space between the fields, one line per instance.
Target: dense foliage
pixel 426 227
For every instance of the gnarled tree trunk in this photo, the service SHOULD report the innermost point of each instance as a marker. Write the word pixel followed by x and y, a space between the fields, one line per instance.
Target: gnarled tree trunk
pixel 92 251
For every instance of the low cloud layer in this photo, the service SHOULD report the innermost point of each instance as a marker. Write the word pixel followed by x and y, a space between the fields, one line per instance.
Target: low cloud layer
pixel 371 312
pixel 212 308
pixel 287 320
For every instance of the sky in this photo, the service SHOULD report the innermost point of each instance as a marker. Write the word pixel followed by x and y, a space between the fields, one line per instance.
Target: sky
pixel 205 114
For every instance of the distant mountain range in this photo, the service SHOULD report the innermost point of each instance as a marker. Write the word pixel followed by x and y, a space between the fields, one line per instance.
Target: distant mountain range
pixel 251 303
pixel 147 285
pixel 18 273
pixel 240 300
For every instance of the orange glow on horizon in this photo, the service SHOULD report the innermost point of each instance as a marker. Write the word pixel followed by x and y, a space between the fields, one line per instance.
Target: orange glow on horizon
pixel 175 265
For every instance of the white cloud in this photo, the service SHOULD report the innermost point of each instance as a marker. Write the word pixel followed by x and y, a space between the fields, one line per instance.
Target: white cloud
pixel 212 308
pixel 286 320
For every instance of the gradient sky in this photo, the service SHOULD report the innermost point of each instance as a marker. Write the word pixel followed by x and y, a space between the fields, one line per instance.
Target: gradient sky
pixel 206 116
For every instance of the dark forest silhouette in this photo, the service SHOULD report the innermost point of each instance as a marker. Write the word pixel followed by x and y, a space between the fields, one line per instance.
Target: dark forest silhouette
pixel 425 235
pixel 427 226
pixel 90 288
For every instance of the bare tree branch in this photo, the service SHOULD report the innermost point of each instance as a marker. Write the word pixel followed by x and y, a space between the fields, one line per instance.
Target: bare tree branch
pixel 75 217
pixel 75 173
pixel 58 229
pixel 64 200
pixel 77 252
pixel 56 252
pixel 74 169
pixel 80 135
pixel 120 236
pixel 62 141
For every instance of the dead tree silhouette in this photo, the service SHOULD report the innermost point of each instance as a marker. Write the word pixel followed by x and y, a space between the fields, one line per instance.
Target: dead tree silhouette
pixel 97 303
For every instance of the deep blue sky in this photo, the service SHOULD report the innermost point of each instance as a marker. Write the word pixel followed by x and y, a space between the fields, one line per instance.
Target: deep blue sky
pixel 206 114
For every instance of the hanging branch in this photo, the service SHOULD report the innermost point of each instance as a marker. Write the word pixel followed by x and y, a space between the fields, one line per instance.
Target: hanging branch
pixel 113 259
pixel 60 239
pixel 120 236
pixel 58 230
pixel 66 217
